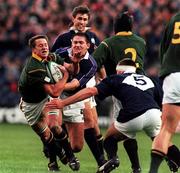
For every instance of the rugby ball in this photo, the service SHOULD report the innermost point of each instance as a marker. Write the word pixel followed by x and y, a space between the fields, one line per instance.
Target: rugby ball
pixel 53 71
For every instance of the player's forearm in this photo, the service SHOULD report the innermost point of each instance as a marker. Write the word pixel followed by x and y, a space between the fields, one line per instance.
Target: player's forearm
pixel 79 96
pixel 70 86
pixel 59 86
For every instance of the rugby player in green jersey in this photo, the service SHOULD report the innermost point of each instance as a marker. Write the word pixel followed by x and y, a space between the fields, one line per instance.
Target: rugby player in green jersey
pixel 170 73
pixel 124 44
pixel 35 87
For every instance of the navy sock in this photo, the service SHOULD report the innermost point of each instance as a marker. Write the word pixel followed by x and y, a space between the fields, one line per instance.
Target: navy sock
pixel 90 137
pixel 132 150
pixel 174 154
pixel 100 142
pixel 156 159
pixel 111 147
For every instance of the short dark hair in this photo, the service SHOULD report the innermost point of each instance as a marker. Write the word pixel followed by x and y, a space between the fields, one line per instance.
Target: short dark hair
pixel 123 22
pixel 82 34
pixel 127 61
pixel 32 40
pixel 82 9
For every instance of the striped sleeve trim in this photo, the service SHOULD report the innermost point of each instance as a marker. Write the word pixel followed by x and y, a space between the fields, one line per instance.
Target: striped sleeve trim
pixel 105 43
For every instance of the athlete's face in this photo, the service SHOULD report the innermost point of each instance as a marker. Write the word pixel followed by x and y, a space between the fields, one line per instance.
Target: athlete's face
pixel 80 22
pixel 41 48
pixel 79 47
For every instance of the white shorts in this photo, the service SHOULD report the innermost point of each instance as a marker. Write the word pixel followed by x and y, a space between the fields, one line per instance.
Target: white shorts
pixel 32 111
pixel 171 88
pixel 91 100
pixel 116 108
pixel 73 112
pixel 91 83
pixel 150 122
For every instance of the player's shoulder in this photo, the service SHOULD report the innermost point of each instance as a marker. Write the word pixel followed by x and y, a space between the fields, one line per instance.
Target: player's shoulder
pixel 66 34
pixel 107 41
pixel 176 17
pixel 118 77
pixel 34 65
pixel 91 33
pixel 137 37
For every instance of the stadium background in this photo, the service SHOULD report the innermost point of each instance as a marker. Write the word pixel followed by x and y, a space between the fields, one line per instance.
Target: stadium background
pixel 20 19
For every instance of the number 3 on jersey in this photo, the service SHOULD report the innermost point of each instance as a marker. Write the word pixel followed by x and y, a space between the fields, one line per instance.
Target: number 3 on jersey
pixel 133 53
pixel 139 81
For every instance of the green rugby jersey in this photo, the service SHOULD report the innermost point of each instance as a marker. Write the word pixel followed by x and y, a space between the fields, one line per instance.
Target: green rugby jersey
pixel 122 45
pixel 33 78
pixel 170 47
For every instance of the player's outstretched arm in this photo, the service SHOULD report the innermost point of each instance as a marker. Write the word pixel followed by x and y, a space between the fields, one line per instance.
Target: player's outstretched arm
pixel 81 95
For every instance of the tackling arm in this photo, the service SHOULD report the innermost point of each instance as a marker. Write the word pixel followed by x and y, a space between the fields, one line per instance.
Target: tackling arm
pixel 81 95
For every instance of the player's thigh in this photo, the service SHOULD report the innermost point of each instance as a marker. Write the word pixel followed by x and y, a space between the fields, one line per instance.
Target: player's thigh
pixel 171 116
pixel 95 114
pixel 95 117
pixel 76 134
pixel 88 116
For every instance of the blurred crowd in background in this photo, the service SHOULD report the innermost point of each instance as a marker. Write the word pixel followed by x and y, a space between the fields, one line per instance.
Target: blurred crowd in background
pixel 21 19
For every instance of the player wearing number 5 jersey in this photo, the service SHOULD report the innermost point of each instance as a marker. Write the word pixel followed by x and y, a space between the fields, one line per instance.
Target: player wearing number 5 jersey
pixel 140 110
pixel 170 72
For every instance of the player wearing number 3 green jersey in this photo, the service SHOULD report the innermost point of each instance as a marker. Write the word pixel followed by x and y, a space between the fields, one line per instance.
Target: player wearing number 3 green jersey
pixel 124 44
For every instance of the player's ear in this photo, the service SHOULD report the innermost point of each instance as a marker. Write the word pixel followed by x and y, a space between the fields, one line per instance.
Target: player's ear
pixel 88 45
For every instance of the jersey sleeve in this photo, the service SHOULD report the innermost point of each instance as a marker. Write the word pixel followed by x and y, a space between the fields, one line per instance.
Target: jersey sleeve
pixel 88 69
pixel 104 89
pixel 56 44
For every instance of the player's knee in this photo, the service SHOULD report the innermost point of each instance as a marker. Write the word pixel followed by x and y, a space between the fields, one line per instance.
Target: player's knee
pixel 89 122
pixel 46 136
pixel 56 130
pixel 77 146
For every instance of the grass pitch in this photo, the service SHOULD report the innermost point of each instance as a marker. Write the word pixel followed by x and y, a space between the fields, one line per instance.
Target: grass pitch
pixel 21 152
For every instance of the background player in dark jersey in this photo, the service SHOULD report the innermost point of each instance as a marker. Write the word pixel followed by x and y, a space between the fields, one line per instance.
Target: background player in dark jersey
pixel 124 44
pixel 35 87
pixel 170 72
pixel 80 20
pixel 140 110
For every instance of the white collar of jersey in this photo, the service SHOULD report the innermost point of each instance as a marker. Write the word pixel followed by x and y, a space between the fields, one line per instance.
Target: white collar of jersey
pixel 126 68
pixel 86 56
pixel 76 31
